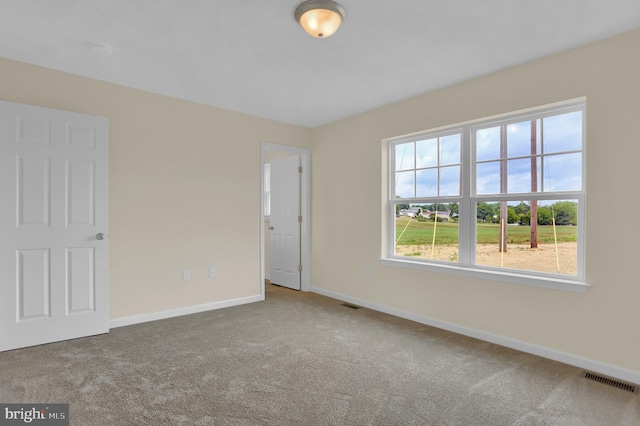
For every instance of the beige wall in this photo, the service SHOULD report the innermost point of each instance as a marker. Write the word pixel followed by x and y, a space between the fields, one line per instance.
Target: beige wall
pixel 184 188
pixel 601 325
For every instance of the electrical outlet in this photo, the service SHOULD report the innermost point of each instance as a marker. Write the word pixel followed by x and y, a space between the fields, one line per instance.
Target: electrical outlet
pixel 186 274
pixel 212 272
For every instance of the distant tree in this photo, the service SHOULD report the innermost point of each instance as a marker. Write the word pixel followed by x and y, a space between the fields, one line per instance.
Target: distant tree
pixel 486 211
pixel 512 215
pixel 524 211
pixel 522 208
pixel 566 212
pixel 453 209
pixel 545 215
pixel 433 217
pixel 439 207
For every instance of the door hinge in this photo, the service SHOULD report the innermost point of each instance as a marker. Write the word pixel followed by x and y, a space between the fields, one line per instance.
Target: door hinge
pixel 299 169
pixel 299 268
pixel 299 219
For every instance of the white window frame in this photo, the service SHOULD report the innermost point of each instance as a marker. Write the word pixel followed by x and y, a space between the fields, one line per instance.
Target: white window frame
pixel 467 201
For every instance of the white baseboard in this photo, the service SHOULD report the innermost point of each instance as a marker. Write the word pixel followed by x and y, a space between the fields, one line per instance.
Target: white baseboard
pixel 154 316
pixel 613 371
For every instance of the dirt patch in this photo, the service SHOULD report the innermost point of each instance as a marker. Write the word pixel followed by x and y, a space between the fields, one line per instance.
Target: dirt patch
pixel 545 258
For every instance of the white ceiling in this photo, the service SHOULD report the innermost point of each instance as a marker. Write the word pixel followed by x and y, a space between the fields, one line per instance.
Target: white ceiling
pixel 251 56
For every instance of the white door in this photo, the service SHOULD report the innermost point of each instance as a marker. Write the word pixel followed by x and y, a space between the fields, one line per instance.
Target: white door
pixel 285 222
pixel 53 225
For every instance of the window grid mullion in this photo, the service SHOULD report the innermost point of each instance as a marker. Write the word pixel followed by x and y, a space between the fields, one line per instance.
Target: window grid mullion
pixel 543 158
pixel 467 224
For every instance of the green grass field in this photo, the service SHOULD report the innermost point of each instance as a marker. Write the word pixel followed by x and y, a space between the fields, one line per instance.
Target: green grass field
pixel 447 233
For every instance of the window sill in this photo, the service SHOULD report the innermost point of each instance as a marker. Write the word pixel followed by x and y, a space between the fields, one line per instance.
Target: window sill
pixel 555 283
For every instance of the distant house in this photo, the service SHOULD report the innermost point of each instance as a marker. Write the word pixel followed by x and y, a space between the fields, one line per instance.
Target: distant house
pixel 410 212
pixel 419 212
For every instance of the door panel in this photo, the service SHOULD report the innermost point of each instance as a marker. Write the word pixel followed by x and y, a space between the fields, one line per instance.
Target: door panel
pixel 34 277
pixel 33 191
pixel 53 202
pixel 80 176
pixel 284 223
pixel 80 279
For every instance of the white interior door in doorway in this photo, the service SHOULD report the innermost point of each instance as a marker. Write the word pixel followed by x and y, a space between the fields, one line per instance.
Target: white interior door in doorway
pixel 53 222
pixel 285 222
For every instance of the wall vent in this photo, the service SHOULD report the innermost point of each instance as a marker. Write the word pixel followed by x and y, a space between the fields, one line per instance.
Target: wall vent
pixel 348 305
pixel 611 382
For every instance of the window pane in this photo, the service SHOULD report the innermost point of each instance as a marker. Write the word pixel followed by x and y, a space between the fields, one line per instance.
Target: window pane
pixel 450 149
pixel 519 179
pixel 405 156
pixel 427 153
pixel 488 178
pixel 488 144
pixel 427 183
pixel 267 189
pixel 519 139
pixel 563 132
pixel 552 246
pixel 563 172
pixel 405 185
pixel 415 229
pixel 449 181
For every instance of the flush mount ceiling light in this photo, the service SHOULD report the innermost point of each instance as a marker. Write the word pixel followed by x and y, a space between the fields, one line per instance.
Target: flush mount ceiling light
pixel 319 18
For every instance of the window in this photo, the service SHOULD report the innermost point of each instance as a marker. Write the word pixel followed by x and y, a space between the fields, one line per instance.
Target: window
pixel 501 197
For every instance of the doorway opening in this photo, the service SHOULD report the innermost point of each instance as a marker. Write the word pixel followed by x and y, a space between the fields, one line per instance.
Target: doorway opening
pixel 274 153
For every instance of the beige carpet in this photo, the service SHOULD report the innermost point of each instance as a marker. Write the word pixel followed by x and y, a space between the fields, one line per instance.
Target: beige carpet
pixel 304 359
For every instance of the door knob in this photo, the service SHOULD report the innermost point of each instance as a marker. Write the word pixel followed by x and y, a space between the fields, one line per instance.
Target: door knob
pixel 271 228
pixel 100 236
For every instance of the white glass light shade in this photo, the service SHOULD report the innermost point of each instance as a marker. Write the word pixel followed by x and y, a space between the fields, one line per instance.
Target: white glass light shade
pixel 320 18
